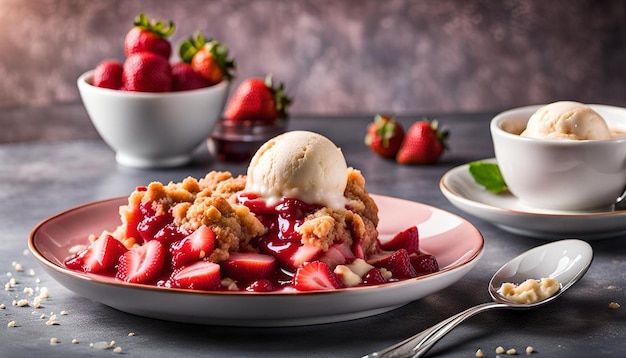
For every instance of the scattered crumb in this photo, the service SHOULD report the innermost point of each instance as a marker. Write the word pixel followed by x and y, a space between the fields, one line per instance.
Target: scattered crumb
pixel 28 290
pixel 117 350
pixel 19 267
pixel 44 293
pixel 479 354
pixel 3 306
pixel 499 350
pixel 100 345
pixel 63 313
pixel 54 341
pixel 511 351
pixel 74 341
pixel 43 316
pixel 131 334
pixel 52 321
pixel 614 305
pixel 21 303
pixel 31 272
pixel 11 324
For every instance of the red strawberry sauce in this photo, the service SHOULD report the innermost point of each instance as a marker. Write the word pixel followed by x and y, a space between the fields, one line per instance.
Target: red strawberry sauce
pixel 282 220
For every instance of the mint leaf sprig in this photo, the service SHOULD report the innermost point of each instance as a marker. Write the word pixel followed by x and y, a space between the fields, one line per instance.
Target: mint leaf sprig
pixel 488 175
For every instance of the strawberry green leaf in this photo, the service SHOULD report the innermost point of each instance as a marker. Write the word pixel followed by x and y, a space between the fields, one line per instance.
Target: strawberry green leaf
pixel 157 27
pixel 488 175
pixel 189 47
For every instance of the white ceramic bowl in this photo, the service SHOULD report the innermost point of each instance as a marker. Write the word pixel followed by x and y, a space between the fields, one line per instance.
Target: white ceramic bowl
pixel 561 174
pixel 149 130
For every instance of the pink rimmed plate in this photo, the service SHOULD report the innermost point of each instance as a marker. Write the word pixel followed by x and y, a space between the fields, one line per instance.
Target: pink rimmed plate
pixel 455 242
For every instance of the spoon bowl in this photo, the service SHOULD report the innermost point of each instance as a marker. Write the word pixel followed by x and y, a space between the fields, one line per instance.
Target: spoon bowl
pixel 566 261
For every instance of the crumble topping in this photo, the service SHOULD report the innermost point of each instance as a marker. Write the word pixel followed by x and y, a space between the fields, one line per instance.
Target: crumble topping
pixel 214 201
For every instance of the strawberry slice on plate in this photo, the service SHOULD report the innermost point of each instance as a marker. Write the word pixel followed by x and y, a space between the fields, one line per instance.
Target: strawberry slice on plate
pixel 398 262
pixel 100 256
pixel 316 275
pixel 424 263
pixel 248 266
pixel 141 264
pixel 192 248
pixel 407 239
pixel 202 275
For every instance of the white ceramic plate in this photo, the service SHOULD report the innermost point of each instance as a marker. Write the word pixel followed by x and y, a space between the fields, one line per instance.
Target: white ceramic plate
pixel 506 212
pixel 456 244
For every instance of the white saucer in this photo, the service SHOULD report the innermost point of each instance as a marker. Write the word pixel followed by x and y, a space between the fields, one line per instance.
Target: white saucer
pixel 505 211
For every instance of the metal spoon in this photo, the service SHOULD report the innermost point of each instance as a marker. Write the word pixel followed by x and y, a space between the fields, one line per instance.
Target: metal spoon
pixel 564 260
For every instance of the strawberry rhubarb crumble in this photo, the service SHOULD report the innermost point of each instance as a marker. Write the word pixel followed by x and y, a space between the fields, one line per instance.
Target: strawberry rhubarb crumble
pixel 299 220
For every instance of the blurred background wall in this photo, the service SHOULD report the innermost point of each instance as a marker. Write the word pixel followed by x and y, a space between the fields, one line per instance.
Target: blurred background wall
pixel 343 57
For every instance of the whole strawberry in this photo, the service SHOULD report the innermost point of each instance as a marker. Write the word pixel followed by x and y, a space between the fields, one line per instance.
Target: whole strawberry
pixel 423 144
pixel 184 78
pixel 147 72
pixel 258 100
pixel 384 136
pixel 108 74
pixel 209 58
pixel 148 36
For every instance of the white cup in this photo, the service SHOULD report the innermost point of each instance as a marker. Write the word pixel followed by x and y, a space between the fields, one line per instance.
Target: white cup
pixel 571 175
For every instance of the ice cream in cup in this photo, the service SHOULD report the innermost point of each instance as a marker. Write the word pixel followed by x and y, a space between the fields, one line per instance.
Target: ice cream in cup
pixel 562 156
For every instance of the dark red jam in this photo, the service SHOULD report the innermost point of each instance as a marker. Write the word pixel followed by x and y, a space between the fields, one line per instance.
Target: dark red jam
pixel 282 220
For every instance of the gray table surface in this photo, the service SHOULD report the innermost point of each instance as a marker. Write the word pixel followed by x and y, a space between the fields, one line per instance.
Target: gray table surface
pixel 38 180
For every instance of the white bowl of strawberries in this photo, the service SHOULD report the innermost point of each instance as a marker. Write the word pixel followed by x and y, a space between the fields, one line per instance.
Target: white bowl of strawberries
pixel 151 112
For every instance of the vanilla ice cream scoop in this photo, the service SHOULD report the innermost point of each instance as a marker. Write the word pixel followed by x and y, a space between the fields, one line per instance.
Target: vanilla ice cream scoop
pixel 566 120
pixel 302 165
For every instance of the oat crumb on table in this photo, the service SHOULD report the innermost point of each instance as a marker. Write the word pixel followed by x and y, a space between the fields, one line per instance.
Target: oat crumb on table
pixel 511 351
pixel 614 305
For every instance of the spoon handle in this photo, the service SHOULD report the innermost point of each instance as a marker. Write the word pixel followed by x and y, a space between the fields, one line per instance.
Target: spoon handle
pixel 442 329
pixel 428 337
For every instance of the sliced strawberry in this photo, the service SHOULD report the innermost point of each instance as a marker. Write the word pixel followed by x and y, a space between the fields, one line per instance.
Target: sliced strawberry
pixel 193 248
pixel 316 275
pixel 358 248
pixel 397 262
pixel 337 254
pixel 169 234
pixel 304 253
pixel 424 263
pixel 202 275
pixel 150 226
pixel 248 266
pixel 101 256
pixel 374 277
pixel 260 286
pixel 407 239
pixel 142 264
